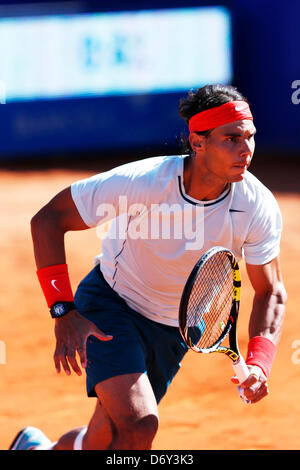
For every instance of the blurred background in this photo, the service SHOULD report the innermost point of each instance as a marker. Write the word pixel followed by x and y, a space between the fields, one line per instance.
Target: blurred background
pixel 100 78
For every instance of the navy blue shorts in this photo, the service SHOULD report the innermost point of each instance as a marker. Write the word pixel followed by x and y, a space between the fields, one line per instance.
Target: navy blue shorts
pixel 139 345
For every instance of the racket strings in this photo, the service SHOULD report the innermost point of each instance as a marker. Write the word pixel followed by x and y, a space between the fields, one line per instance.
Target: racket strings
pixel 210 302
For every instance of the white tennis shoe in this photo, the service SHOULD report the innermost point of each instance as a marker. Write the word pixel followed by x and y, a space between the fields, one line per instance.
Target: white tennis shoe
pixel 30 437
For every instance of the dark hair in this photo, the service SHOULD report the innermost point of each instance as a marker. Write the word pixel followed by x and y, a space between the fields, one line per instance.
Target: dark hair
pixel 207 97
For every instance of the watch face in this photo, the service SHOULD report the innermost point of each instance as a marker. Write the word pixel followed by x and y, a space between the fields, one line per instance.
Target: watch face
pixel 59 309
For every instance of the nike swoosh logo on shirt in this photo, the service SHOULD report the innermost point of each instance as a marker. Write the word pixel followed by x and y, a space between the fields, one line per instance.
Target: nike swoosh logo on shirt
pixel 53 284
pixel 235 210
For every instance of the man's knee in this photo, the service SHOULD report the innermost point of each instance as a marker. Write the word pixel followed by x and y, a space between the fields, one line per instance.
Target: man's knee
pixel 133 413
pixel 130 432
pixel 138 434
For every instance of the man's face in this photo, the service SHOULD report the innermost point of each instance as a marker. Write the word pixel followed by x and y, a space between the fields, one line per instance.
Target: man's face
pixel 228 150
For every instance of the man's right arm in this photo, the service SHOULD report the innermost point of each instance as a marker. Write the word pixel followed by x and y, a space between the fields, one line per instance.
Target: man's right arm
pixel 48 228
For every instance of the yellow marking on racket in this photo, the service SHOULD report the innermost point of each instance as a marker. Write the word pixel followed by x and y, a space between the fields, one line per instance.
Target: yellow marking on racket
pixel 236 290
pixel 236 274
pixel 236 294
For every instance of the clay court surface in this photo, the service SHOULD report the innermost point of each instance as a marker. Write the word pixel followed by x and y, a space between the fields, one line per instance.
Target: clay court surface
pixel 202 409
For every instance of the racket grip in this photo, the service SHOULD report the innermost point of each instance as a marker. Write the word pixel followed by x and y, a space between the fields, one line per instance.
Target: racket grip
pixel 242 372
pixel 241 369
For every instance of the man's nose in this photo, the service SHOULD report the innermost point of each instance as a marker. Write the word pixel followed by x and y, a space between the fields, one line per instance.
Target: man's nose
pixel 247 150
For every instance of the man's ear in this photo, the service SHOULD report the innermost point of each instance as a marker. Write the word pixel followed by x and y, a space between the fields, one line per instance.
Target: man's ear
pixel 197 142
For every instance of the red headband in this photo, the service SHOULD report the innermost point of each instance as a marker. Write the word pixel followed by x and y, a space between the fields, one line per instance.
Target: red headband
pixel 215 117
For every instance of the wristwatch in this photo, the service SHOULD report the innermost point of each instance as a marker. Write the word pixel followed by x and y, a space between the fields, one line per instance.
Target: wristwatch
pixel 59 309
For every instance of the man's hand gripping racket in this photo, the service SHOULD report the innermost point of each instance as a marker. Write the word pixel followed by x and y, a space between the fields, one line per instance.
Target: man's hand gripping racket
pixel 209 308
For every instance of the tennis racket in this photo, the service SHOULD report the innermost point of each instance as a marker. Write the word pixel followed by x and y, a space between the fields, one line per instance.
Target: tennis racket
pixel 209 308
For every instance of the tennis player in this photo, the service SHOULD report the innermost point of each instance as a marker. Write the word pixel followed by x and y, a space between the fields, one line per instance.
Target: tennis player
pixel 122 325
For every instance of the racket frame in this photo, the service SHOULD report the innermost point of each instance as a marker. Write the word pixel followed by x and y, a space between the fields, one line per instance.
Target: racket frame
pixel 233 351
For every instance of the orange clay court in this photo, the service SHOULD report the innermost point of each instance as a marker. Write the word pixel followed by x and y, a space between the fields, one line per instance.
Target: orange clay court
pixel 201 409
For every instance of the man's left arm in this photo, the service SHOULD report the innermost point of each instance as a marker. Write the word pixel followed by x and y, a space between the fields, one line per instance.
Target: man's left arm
pixel 265 325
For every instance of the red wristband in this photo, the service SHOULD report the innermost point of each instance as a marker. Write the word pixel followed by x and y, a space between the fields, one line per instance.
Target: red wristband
pixel 55 284
pixel 261 352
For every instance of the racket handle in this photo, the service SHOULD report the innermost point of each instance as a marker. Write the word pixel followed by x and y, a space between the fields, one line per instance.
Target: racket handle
pixel 242 372
pixel 241 369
